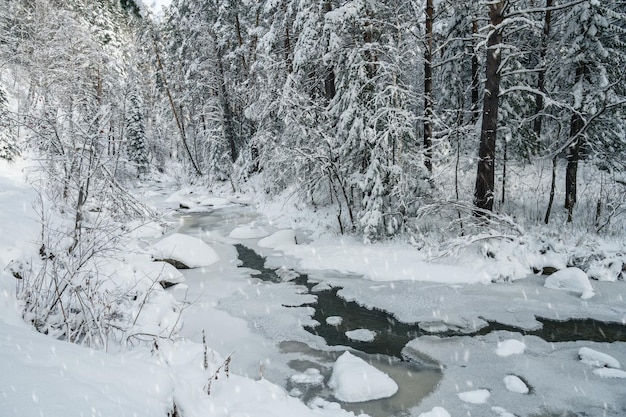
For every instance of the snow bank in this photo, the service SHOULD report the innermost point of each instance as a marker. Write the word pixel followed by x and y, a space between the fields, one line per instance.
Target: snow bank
pixel 278 239
pixel 248 232
pixel 189 250
pixel 510 347
pixel 595 358
pixel 353 380
pixel 571 279
pixel 361 335
pixel 479 396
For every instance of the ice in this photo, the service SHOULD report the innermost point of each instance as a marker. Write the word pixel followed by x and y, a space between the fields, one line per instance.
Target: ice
pixel 334 320
pixel 436 412
pixel 502 412
pixel 353 380
pixel 510 347
pixel 248 232
pixel 189 250
pixel 479 396
pixel 571 279
pixel 515 384
pixel 310 376
pixel 609 373
pixel 595 358
pixel 278 239
pixel 361 335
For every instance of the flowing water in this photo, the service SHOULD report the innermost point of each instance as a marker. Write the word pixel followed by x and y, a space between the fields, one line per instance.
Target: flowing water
pixel 385 351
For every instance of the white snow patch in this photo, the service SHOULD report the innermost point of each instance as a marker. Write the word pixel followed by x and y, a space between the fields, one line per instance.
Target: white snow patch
pixel 510 347
pixel 571 279
pixel 436 412
pixel 595 358
pixel 278 239
pixel 361 335
pixel 353 380
pixel 248 232
pixel 311 376
pixel 515 384
pixel 502 412
pixel 479 396
pixel 334 320
pixel 189 250
pixel 609 373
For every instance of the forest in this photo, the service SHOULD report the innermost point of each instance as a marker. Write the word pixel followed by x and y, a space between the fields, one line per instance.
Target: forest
pixel 450 130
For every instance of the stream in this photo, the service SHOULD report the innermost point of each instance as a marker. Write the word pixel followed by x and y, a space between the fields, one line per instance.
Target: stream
pixel 416 380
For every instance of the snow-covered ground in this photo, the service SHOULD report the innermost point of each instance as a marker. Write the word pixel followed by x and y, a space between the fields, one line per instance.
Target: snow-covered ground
pixel 500 374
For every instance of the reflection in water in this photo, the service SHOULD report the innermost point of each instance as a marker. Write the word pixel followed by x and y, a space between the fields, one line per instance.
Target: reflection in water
pixel 414 383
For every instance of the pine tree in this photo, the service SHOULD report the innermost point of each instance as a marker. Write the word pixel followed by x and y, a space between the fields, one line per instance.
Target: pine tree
pixel 136 147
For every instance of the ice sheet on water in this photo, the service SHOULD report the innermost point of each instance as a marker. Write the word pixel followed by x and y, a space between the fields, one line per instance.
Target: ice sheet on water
pixel 361 335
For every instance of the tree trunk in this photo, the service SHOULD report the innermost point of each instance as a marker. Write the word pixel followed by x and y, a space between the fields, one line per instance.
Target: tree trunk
pixel 329 79
pixel 475 80
pixel 541 77
pixel 229 130
pixel 485 177
pixel 546 220
pixel 428 88
pixel 573 154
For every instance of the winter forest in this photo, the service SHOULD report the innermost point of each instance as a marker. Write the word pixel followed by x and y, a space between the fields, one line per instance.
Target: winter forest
pixel 297 208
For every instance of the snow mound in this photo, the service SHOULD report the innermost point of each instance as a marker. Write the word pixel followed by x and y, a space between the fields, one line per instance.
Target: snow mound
pixel 278 239
pixel 479 396
pixel 502 412
pixel 436 412
pixel 361 335
pixel 571 279
pixel 141 230
pixel 510 347
pixel 595 358
pixel 515 384
pixel 353 380
pixel 159 271
pixel 248 232
pixel 609 373
pixel 311 376
pixel 188 250
pixel 334 320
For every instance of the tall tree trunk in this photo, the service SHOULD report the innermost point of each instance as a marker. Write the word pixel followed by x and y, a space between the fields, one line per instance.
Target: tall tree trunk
pixel 573 154
pixel 475 80
pixel 329 79
pixel 546 219
pixel 485 177
pixel 229 130
pixel 541 77
pixel 428 88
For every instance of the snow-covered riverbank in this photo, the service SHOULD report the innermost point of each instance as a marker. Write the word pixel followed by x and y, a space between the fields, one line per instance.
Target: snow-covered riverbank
pixel 482 375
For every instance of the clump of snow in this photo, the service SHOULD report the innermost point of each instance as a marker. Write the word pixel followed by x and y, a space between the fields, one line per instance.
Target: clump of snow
pixel 609 373
pixel 510 347
pixel 609 269
pixel 595 358
pixel 334 320
pixel 353 380
pixel 311 376
pixel 189 250
pixel 158 271
pixel 141 230
pixel 278 239
pixel 248 232
pixel 502 412
pixel 433 327
pixel 515 384
pixel 479 396
pixel 361 335
pixel 436 412
pixel 322 286
pixel 571 279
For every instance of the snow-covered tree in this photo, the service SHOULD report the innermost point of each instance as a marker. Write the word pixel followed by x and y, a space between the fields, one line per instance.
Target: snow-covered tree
pixel 136 146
